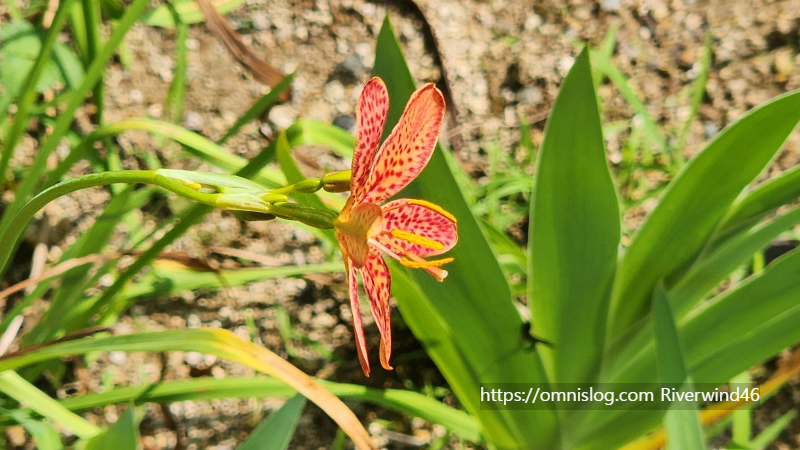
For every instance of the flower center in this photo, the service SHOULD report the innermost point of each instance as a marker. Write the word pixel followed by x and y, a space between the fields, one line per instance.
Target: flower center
pixel 354 228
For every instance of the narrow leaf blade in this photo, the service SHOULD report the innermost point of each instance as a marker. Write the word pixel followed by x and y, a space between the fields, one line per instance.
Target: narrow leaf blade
pixel 680 226
pixel 276 431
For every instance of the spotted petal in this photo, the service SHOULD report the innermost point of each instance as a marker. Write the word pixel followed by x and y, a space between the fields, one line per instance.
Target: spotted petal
pixel 408 220
pixel 373 105
pixel 410 145
pixel 377 283
pixel 358 328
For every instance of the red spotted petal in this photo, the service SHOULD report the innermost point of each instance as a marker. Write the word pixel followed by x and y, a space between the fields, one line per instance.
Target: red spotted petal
pixel 419 218
pixel 410 145
pixel 358 328
pixel 373 105
pixel 377 283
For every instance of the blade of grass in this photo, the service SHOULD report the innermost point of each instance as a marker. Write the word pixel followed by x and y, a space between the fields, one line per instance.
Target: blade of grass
pixel 771 432
pixel 276 431
pixel 698 92
pixel 16 387
pixel 742 419
pixel 405 402
pixel 312 132
pixel 177 89
pixel 29 91
pixel 606 68
pixel 221 343
pixel 35 171
pixel 44 435
pixel 258 108
pixel 167 278
pixel 91 20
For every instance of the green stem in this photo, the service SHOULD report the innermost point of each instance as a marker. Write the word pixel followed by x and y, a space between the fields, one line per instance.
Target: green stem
pixel 188 217
pixel 8 240
pixel 91 18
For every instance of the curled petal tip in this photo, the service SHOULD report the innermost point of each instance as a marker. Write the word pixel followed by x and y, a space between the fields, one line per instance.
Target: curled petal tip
pixel 385 354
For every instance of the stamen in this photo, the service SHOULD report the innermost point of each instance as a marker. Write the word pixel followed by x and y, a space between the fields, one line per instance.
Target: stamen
pixel 437 273
pixel 425 264
pixel 433 207
pixel 383 248
pixel 416 239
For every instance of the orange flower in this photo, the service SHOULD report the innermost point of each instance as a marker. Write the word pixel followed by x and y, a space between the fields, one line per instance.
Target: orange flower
pixel 407 230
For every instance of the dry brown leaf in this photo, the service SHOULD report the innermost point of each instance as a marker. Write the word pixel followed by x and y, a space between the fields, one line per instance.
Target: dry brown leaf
pixel 221 28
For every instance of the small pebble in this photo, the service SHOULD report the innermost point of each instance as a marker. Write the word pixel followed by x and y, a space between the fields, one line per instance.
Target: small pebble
pixel 350 71
pixel 283 116
pixel 346 122
pixel 610 5
pixel 193 121
pixel 710 129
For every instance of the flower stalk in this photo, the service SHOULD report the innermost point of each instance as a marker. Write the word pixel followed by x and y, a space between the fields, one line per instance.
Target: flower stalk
pixel 245 199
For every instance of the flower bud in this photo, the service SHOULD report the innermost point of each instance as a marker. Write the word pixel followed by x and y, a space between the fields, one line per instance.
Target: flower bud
pixel 337 181
pixel 317 218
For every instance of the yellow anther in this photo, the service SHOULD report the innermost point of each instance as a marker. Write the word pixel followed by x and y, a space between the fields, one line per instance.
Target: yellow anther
pixel 425 264
pixel 433 207
pixel 416 239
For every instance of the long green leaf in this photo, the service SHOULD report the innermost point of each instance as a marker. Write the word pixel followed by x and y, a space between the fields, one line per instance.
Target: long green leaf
pixel 16 387
pixel 468 323
pixel 695 202
pixel 405 402
pixel 168 279
pixel 221 343
pixel 732 333
pixel 682 424
pixel 714 268
pixel 276 431
pixel 765 198
pixel 574 233
pixel 747 325
pixel 771 432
